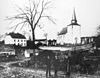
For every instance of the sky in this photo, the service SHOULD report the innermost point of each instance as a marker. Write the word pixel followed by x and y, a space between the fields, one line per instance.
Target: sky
pixel 87 13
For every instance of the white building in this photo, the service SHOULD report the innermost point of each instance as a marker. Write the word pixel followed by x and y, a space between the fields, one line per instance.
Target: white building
pixel 15 38
pixel 71 33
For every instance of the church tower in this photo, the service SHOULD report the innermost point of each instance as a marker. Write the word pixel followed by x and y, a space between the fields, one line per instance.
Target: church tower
pixel 74 30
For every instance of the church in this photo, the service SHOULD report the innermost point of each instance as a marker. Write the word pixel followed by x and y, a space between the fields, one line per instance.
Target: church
pixel 71 34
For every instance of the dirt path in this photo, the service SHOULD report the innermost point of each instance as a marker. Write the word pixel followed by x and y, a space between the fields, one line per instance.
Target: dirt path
pixel 6 64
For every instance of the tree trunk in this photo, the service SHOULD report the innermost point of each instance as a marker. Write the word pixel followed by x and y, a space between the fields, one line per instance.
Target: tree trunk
pixel 33 46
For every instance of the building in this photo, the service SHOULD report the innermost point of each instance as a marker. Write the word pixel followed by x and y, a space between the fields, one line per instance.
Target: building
pixel 72 33
pixel 88 40
pixel 15 39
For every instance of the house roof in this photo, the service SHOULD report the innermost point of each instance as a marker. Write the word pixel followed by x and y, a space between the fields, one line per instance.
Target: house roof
pixel 17 35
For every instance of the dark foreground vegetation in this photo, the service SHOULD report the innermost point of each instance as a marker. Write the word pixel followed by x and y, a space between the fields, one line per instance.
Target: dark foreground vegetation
pixel 83 62
pixel 8 58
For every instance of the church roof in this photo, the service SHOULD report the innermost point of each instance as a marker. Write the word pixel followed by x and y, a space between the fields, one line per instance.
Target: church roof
pixel 17 35
pixel 63 31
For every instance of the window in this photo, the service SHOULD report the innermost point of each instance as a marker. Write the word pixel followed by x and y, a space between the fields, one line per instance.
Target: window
pixel 18 44
pixel 24 44
pixel 14 40
pixel 21 40
pixel 18 40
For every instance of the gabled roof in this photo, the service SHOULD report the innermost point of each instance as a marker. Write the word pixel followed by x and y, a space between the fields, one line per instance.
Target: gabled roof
pixel 17 35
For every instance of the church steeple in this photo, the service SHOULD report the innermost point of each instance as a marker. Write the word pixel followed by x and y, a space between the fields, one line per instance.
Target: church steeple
pixel 74 20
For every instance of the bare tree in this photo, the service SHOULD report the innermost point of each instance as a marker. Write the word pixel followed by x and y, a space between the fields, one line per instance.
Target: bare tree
pixel 31 15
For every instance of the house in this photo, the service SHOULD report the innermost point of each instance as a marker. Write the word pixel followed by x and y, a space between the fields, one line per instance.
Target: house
pixel 28 52
pixel 15 39
pixel 7 49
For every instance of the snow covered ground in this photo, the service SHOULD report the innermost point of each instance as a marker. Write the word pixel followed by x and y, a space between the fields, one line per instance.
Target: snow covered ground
pixel 84 47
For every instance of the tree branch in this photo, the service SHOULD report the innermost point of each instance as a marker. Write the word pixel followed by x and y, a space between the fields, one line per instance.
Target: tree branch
pixel 15 26
pixel 39 16
pixel 49 18
pixel 27 18
pixel 23 25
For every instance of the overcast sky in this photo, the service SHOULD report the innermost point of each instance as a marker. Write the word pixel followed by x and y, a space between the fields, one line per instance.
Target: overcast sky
pixel 87 13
